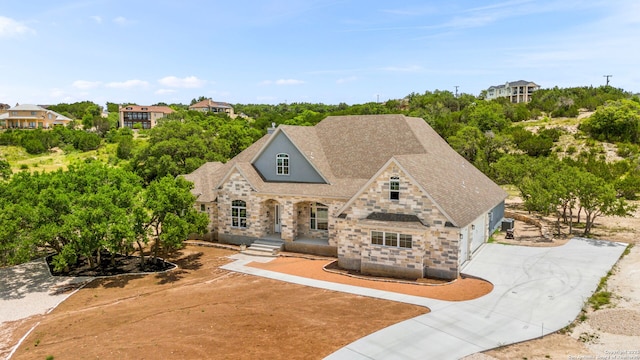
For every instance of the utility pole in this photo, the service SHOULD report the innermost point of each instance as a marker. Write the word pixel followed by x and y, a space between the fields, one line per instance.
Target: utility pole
pixel 607 76
pixel 456 86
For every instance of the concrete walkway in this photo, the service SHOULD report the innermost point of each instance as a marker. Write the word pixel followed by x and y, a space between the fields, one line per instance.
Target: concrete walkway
pixel 537 291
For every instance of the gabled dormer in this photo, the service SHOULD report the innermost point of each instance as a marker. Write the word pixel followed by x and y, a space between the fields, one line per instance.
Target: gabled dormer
pixel 280 160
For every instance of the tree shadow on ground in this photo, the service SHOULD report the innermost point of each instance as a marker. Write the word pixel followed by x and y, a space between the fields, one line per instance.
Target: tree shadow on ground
pixel 18 281
pixel 119 281
pixel 185 264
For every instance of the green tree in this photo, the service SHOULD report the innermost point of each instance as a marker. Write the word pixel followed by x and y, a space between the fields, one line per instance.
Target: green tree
pixel 172 215
pixel 598 198
pixel 467 142
pixel 5 170
pixel 487 116
pixel 616 121
pixel 125 148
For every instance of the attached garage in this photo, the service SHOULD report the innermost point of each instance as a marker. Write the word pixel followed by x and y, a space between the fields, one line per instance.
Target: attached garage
pixel 464 246
pixel 477 234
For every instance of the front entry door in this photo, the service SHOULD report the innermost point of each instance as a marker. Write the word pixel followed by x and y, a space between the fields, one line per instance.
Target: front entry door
pixel 276 222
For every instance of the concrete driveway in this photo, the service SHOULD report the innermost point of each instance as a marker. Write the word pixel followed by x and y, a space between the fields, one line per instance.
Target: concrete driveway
pixel 537 291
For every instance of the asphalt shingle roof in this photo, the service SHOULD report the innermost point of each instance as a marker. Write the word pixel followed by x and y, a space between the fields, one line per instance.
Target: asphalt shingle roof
pixel 349 150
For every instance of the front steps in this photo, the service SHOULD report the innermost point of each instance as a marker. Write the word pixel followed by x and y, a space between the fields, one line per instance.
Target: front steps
pixel 264 247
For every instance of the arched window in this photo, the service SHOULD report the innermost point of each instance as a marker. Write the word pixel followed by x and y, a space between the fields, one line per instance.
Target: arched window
pixel 282 164
pixel 394 188
pixel 238 214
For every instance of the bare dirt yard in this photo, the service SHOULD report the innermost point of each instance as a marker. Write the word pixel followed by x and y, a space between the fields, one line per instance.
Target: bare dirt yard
pixel 201 311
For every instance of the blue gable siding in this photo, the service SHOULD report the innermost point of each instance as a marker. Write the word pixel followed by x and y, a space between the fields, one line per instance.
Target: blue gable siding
pixel 299 168
pixel 496 218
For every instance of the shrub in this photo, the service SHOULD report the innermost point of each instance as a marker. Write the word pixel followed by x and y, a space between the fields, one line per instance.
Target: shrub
pixel 87 141
pixel 551 133
pixel 33 146
pixel 626 150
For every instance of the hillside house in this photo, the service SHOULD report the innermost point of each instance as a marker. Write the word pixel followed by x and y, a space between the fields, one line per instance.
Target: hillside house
pixel 516 91
pixel 28 116
pixel 146 116
pixel 216 107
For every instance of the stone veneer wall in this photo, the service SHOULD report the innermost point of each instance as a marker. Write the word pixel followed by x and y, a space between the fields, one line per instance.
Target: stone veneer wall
pixel 238 188
pixel 212 212
pixel 442 252
pixel 435 248
pixel 294 214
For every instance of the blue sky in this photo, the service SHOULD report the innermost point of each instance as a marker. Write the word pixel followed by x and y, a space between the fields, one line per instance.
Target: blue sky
pixel 274 51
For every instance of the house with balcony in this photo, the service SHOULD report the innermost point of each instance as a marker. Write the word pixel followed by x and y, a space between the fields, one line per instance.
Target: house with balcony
pixel 517 91
pixel 216 107
pixel 28 116
pixel 142 116
pixel 385 194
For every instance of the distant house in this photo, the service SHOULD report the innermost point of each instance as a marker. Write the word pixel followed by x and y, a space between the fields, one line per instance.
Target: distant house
pixel 209 105
pixel 384 193
pixel 517 91
pixel 29 116
pixel 146 116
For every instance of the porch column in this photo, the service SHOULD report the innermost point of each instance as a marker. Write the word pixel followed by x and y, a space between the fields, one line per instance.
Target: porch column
pixel 288 221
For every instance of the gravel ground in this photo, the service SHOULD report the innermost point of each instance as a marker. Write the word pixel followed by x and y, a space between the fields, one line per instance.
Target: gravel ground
pixel 29 289
pixel 616 321
pixel 617 328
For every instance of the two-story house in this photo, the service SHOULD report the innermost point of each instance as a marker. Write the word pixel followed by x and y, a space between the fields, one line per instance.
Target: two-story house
pixel 209 105
pixel 385 192
pixel 146 116
pixel 28 116
pixel 517 91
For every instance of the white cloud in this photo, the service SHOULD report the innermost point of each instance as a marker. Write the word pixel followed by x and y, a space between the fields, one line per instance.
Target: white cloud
pixel 289 82
pixel 346 80
pixel 128 84
pixel 10 27
pixel 121 20
pixel 83 84
pixel 164 91
pixel 97 19
pixel 57 93
pixel 187 82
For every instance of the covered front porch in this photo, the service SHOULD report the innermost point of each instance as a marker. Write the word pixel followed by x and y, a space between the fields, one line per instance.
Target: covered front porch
pixel 295 221
pixel 302 226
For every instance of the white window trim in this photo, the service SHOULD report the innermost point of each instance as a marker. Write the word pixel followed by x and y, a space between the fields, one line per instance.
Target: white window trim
pixel 280 169
pixel 313 216
pixel 384 239
pixel 238 216
pixel 394 180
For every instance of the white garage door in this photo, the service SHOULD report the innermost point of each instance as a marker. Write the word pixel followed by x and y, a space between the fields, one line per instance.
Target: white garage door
pixel 464 246
pixel 477 234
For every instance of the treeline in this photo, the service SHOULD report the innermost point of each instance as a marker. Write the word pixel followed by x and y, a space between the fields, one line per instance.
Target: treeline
pixel 184 141
pixel 38 141
pixel 490 134
pixel 571 187
pixel 93 210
